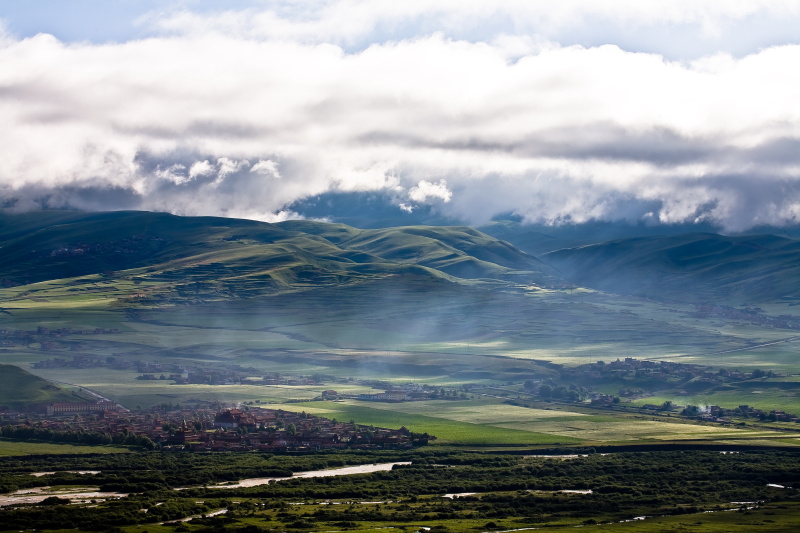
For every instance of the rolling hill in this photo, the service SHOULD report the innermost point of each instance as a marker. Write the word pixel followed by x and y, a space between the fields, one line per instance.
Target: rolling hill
pixel 19 388
pixel 158 257
pixel 456 250
pixel 692 267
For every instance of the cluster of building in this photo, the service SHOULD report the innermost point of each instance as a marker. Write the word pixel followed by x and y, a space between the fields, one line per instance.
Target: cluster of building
pixel 412 392
pixel 715 413
pixel 638 371
pixel 632 367
pixel 82 408
pixel 386 396
pixel 234 375
pixel 643 376
pixel 276 430
pixel 83 361
pixel 46 336
pixel 153 370
pixel 220 429
pixel 229 375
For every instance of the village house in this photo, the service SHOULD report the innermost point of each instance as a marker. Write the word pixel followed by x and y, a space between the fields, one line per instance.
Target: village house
pixel 81 408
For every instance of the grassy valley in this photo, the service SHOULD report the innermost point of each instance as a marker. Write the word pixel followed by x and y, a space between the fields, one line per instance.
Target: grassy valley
pixel 650 344
pixel 446 306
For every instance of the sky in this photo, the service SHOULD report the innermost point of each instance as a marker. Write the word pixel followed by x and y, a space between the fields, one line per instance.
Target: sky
pixel 664 111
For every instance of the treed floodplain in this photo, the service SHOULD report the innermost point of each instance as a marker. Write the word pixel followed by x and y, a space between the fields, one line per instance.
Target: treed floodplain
pixel 441 490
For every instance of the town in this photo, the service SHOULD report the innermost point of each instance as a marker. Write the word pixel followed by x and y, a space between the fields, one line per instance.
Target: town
pixel 203 427
pixel 48 338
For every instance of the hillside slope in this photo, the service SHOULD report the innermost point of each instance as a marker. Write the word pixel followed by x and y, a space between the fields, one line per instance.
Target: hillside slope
pixel 19 388
pixel 155 256
pixel 456 250
pixel 697 266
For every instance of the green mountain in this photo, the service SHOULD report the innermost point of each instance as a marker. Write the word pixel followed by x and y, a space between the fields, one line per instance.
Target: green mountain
pixel 691 267
pixel 19 388
pixel 456 250
pixel 154 258
pixel 157 257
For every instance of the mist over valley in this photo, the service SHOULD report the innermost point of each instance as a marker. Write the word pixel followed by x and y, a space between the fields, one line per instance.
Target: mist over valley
pixel 371 266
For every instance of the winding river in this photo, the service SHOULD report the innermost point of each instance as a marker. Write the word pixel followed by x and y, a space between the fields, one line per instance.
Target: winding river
pixel 85 494
pixel 343 471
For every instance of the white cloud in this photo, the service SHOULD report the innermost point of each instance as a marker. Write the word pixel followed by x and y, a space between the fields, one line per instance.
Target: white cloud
pixel 425 190
pixel 200 168
pixel 205 121
pixel 228 167
pixel 266 168
pixel 175 173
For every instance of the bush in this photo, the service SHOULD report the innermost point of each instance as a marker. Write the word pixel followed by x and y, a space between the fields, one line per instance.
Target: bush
pixel 54 500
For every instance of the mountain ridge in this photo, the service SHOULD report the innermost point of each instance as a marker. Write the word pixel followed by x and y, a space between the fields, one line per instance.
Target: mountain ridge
pixel 232 258
pixel 695 265
pixel 158 257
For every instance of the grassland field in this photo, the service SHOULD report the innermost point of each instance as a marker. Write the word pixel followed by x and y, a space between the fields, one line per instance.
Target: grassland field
pixel 403 336
pixel 766 399
pixel 10 448
pixel 489 422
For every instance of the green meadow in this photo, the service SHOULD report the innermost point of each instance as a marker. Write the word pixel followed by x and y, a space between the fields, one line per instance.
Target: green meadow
pixel 445 429
pixel 488 422
pixel 356 336
pixel 11 448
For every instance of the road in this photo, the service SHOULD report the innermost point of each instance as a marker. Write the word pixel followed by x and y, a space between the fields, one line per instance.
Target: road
pixel 90 392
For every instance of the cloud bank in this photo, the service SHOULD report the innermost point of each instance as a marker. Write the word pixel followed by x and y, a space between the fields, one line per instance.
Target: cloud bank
pixel 243 113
